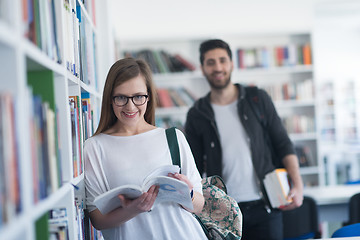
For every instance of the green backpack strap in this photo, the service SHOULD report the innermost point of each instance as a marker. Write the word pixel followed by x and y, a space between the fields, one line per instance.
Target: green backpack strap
pixel 173 146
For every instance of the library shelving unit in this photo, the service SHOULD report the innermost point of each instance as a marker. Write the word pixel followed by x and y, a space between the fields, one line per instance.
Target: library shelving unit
pixel 279 63
pixel 50 96
pixel 336 50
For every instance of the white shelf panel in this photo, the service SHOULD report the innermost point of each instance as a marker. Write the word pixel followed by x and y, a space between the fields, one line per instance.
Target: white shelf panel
pixel 89 89
pixel 38 60
pixel 8 35
pixel 177 78
pixel 302 136
pixel 46 204
pixel 273 71
pixel 309 170
pixel 161 112
pixel 294 103
pixel 75 181
pixel 16 228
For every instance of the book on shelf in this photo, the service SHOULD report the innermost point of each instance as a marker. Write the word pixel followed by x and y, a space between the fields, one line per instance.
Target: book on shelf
pixel 175 97
pixel 171 190
pixel 164 98
pixel 49 123
pixel 42 84
pixel 161 61
pixel 41 25
pixel 307 54
pixel 53 224
pixel 299 124
pixel 76 134
pixel 188 96
pixel 42 227
pixel 10 197
pixel 87 45
pixel 300 90
pixel 304 155
pixel 277 187
pixel 87 114
pixel 277 56
pixel 58 224
pixel 80 226
pixel 188 65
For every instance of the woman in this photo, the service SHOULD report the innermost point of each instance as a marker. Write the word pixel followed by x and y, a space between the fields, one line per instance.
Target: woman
pixel 124 149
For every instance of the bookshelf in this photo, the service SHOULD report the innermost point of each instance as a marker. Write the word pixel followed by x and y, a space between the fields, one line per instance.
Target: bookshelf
pixel 336 50
pixel 280 63
pixel 49 51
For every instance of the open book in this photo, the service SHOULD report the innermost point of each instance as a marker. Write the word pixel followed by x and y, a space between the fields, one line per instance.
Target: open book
pixel 171 190
pixel 277 187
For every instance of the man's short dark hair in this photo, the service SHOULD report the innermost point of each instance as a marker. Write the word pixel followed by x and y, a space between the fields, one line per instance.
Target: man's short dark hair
pixel 212 44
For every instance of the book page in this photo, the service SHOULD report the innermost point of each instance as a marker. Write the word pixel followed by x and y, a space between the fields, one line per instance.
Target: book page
pixel 162 171
pixel 283 179
pixel 109 200
pixel 171 190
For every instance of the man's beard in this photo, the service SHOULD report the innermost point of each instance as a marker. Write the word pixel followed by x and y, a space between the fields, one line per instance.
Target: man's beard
pixel 220 86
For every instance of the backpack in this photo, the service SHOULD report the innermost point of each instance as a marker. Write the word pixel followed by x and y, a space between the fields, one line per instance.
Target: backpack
pixel 221 218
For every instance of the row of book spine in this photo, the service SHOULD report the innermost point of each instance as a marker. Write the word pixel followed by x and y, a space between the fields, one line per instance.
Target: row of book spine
pixel 175 97
pixel 299 124
pixel 339 105
pixel 301 90
pixel 82 127
pixel 45 147
pixel 267 57
pixel 167 122
pixel 90 8
pixel 72 44
pixel 86 231
pixel 53 225
pixel 76 135
pixel 41 24
pixel 45 134
pixel 161 61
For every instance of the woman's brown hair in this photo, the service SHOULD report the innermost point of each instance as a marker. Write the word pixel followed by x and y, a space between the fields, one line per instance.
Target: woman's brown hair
pixel 120 72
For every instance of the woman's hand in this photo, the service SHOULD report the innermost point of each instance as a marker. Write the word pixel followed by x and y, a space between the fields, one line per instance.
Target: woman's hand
pixel 182 178
pixel 141 204
pixel 130 208
pixel 197 199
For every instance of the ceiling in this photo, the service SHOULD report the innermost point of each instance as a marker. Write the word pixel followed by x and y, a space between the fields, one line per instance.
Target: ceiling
pixel 144 19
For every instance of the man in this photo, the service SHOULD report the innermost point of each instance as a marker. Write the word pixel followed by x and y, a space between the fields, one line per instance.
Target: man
pixel 227 140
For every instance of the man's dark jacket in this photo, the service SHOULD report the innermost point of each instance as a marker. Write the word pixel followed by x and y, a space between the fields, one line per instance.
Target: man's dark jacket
pixel 202 134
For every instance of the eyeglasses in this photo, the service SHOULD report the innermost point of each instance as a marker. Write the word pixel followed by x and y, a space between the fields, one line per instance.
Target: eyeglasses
pixel 122 100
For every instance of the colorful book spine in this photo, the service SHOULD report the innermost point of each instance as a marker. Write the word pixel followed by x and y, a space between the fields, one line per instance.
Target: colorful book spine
pixel 10 198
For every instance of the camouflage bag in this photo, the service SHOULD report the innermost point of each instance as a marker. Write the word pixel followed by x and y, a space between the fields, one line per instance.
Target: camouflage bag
pixel 221 218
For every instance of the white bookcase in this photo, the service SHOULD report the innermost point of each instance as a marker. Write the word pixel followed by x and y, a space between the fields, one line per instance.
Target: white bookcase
pixel 336 51
pixel 298 110
pixel 24 62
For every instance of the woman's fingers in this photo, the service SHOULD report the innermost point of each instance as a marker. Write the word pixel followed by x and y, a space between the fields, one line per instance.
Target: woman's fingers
pixel 141 204
pixel 181 177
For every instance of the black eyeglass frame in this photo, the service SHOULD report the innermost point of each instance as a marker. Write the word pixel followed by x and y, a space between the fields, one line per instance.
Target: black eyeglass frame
pixel 132 99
